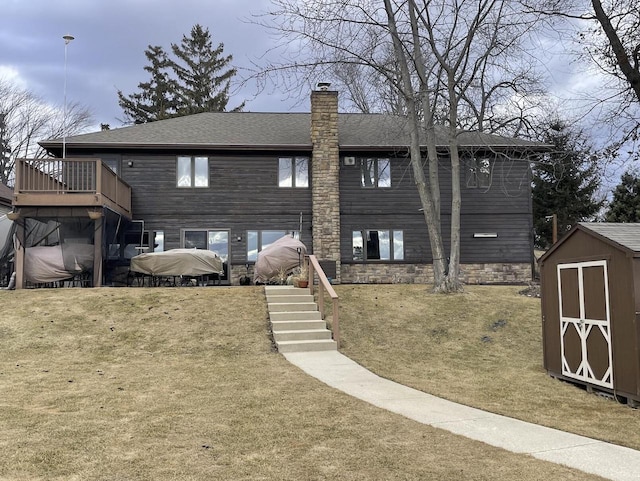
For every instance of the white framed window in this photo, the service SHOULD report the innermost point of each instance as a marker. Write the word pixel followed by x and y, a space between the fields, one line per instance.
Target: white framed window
pixel 375 173
pixel 214 240
pixel 382 245
pixel 261 239
pixel 192 172
pixel 293 172
pixel 479 173
pixel 153 241
pixel 158 241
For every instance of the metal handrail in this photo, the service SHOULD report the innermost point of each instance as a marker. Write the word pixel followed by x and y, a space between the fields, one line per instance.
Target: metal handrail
pixel 324 285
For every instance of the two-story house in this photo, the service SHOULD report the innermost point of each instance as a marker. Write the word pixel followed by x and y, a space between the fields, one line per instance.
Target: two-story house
pixel 235 181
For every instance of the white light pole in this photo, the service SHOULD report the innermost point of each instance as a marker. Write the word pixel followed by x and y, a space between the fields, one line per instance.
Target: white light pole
pixel 67 39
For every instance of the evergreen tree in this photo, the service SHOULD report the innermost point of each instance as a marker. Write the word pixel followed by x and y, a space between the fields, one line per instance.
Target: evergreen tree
pixel 156 99
pixel 625 205
pixel 565 183
pixel 202 74
pixel 197 80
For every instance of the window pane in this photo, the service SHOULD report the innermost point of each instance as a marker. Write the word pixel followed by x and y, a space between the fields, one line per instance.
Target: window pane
pixel 385 245
pixel 373 245
pixel 358 254
pixel 472 180
pixel 158 241
pixel 184 171
pixel 219 243
pixel 252 245
pixel 284 172
pixel 398 245
pixel 484 173
pixel 384 173
pixel 195 239
pixel 367 173
pixel 112 164
pixel 201 171
pixel 302 172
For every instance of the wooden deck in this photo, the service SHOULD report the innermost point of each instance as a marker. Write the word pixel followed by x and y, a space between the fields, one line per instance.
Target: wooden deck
pixel 70 183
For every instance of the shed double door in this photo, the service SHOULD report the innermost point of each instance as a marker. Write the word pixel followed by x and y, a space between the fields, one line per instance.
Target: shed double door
pixel 585 322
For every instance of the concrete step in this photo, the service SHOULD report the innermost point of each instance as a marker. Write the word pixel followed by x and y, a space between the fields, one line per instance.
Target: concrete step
pixel 285 291
pixel 295 316
pixel 292 306
pixel 301 335
pixel 307 346
pixel 277 326
pixel 289 298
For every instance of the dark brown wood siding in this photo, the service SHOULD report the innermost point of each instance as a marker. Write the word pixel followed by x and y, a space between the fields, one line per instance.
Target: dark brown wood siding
pixel 243 194
pixel 504 209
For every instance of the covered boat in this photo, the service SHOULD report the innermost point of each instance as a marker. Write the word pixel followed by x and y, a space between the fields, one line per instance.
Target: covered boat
pixel 178 262
pixel 283 255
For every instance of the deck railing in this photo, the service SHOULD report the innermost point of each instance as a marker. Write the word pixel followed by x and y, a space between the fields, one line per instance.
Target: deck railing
pixel 71 176
pixel 324 286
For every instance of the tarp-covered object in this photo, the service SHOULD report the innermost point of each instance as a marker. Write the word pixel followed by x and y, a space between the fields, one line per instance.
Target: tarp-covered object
pixel 47 263
pixel 7 229
pixel 178 262
pixel 280 255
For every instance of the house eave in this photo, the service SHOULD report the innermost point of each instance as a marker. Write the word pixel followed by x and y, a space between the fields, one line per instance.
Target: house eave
pixel 55 148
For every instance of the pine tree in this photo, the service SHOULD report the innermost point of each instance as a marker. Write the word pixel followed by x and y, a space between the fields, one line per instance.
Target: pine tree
pixel 625 205
pixel 565 183
pixel 156 99
pixel 197 80
pixel 202 73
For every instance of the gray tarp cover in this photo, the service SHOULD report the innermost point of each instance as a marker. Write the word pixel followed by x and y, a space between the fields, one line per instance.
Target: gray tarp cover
pixel 281 254
pixel 178 262
pixel 6 237
pixel 47 264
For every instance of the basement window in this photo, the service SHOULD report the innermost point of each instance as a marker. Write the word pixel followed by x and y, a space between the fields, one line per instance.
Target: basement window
pixel 261 239
pixel 383 245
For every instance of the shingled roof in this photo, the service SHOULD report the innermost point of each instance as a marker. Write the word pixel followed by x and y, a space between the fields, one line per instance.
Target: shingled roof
pixel 626 235
pixel 269 131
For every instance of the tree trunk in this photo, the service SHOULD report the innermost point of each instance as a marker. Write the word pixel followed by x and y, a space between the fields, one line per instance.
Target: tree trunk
pixel 429 206
pixel 631 74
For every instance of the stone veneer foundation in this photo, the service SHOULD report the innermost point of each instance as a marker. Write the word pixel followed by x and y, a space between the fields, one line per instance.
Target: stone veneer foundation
pixel 372 273
pixel 423 273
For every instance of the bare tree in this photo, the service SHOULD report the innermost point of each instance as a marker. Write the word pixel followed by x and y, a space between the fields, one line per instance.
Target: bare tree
pixel 451 63
pixel 27 119
pixel 607 35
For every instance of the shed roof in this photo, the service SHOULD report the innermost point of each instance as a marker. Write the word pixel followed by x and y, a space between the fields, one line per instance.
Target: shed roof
pixel 624 236
pixel 269 131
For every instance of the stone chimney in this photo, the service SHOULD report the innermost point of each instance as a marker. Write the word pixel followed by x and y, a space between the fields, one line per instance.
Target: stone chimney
pixel 325 176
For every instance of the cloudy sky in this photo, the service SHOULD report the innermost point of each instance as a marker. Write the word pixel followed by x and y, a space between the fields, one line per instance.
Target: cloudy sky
pixel 110 38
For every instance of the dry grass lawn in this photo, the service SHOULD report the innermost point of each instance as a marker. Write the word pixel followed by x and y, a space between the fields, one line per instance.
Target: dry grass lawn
pixel 482 348
pixel 183 384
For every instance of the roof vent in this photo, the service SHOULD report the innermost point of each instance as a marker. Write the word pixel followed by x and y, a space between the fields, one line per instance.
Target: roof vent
pixel 324 85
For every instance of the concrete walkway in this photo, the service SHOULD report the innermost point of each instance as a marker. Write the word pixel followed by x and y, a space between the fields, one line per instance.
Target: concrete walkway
pixel 588 455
